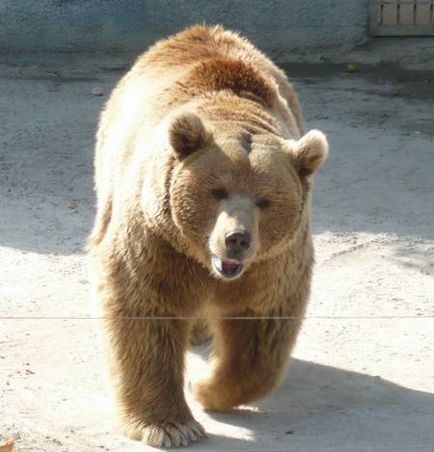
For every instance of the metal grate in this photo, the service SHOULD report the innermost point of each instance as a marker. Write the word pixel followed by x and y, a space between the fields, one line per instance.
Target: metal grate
pixel 402 17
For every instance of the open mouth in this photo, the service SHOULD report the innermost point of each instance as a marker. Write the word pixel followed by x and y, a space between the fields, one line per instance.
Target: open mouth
pixel 228 268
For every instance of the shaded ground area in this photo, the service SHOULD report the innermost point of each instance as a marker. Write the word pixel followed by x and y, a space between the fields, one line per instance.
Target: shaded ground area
pixel 357 383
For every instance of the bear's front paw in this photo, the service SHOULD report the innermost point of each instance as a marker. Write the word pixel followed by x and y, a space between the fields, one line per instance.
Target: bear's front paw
pixel 173 434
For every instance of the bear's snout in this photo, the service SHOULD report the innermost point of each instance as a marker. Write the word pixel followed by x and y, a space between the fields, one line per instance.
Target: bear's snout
pixel 234 241
pixel 237 242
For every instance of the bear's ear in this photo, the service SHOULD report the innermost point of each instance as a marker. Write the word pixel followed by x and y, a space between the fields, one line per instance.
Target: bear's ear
pixel 310 152
pixel 187 134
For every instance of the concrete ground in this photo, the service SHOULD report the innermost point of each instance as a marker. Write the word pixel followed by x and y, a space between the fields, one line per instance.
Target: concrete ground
pixel 363 374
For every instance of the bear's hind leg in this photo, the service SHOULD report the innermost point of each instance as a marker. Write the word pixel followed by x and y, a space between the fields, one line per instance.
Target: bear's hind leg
pixel 200 333
pixel 250 356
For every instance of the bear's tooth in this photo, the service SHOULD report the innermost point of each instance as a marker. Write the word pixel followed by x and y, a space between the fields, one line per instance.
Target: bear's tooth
pixel 218 264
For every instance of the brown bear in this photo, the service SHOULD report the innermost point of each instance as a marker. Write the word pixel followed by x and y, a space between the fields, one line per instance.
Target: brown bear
pixel 203 180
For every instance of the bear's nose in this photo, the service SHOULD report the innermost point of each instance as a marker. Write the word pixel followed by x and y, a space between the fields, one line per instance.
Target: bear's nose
pixel 237 241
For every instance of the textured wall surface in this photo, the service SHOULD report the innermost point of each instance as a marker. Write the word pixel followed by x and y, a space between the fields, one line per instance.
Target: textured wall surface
pixel 277 26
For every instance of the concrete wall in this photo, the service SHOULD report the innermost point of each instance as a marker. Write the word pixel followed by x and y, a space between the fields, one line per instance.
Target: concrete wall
pixel 277 26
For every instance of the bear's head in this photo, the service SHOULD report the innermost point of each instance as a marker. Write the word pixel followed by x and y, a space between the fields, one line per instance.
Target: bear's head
pixel 239 197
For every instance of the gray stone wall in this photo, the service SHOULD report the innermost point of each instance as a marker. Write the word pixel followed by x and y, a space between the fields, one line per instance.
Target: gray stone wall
pixel 277 26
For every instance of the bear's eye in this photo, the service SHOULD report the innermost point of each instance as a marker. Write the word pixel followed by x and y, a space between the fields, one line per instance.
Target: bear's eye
pixel 219 193
pixel 263 203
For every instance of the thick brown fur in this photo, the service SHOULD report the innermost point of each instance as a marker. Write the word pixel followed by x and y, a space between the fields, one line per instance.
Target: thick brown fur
pixel 201 111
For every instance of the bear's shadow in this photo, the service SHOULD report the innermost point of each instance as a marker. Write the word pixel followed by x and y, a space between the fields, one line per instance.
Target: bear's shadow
pixel 323 406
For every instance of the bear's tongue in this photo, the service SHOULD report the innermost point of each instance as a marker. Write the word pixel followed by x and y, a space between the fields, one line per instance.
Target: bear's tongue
pixel 227 267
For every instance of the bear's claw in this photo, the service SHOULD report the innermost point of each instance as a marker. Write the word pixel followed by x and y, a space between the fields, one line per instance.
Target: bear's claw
pixel 173 434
